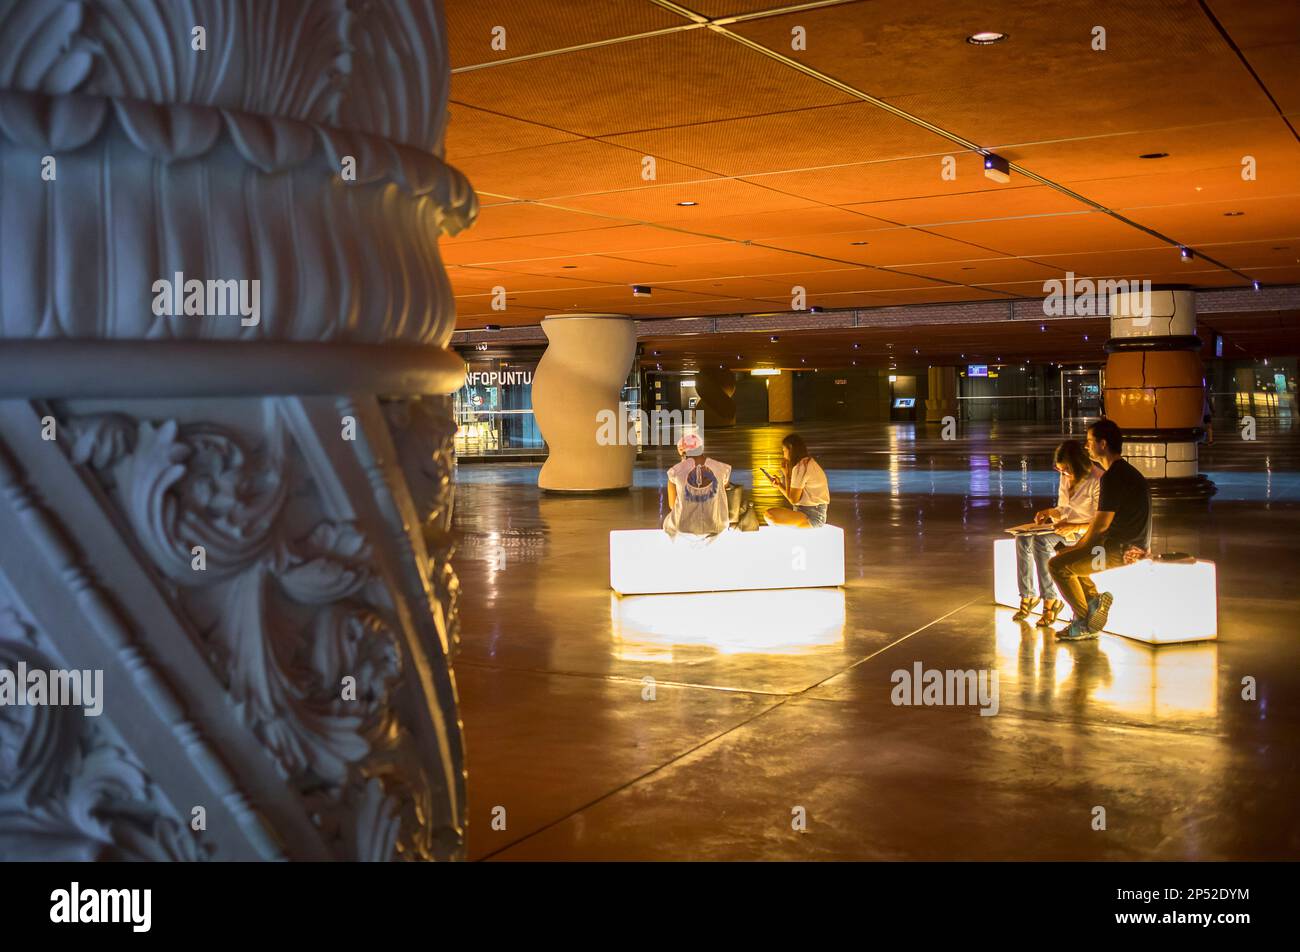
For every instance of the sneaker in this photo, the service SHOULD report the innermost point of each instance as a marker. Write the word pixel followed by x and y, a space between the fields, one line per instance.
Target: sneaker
pixel 1075 631
pixel 1099 611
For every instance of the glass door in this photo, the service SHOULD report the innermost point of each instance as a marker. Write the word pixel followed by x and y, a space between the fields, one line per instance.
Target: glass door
pixel 1080 394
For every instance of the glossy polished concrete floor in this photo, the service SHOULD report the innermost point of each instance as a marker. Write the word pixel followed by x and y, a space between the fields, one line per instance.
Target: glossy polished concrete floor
pixel 778 706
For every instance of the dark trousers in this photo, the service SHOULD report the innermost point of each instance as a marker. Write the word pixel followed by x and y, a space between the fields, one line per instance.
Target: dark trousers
pixel 1072 573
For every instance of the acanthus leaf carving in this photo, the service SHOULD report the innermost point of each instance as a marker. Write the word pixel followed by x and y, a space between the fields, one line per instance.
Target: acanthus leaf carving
pixel 288 618
pixel 196 488
pixel 424 434
pixel 67 790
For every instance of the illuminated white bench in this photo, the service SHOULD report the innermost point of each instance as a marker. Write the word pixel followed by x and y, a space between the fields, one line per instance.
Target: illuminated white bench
pixel 649 562
pixel 1157 602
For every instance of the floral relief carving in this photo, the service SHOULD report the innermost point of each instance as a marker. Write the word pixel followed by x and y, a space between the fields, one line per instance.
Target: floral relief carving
pixel 300 628
pixel 68 789
pixel 424 432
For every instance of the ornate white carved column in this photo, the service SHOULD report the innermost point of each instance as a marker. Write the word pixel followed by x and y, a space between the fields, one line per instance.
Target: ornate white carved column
pixel 225 441
pixel 587 360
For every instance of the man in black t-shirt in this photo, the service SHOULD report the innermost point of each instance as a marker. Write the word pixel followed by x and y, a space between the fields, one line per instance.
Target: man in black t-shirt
pixel 1122 522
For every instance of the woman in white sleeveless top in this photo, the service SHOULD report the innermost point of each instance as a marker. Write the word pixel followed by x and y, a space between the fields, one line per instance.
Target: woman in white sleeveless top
pixel 1076 504
pixel 804 485
pixel 697 492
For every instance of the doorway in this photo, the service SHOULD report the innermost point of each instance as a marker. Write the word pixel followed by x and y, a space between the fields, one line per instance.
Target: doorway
pixel 1080 394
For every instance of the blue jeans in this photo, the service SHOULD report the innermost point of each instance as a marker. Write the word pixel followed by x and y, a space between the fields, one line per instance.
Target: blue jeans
pixel 816 514
pixel 1032 554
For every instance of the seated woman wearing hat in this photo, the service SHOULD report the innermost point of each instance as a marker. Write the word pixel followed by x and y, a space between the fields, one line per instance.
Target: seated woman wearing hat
pixel 697 496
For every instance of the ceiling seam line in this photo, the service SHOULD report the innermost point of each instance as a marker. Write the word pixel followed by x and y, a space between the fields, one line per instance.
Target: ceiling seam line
pixel 959 140
pixel 1241 55
pixel 696 234
pixel 594 44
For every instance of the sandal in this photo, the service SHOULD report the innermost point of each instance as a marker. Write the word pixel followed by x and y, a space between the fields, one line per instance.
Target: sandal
pixel 1027 604
pixel 1051 609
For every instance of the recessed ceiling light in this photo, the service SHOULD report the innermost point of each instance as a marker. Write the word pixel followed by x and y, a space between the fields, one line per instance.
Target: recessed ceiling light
pixel 568 266
pixel 985 38
pixel 1232 214
pixel 774 338
pixel 491 327
pixel 640 290
pixel 1186 254
pixel 858 242
pixel 1154 155
pixel 687 204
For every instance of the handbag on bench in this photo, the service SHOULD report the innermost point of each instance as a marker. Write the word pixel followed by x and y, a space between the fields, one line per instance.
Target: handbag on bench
pixel 735 495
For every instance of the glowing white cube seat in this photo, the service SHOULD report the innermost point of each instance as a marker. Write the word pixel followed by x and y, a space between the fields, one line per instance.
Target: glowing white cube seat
pixel 649 561
pixel 1156 602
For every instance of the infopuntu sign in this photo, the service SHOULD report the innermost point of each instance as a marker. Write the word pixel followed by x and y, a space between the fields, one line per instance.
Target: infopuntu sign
pixel 498 378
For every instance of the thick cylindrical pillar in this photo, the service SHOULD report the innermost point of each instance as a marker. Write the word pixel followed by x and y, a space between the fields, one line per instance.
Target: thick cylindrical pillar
pixel 780 397
pixel 716 389
pixel 576 392
pixel 226 436
pixel 942 401
pixel 1155 387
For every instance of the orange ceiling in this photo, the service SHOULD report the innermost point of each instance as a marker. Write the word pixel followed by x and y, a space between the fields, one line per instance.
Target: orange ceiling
pixel 806 175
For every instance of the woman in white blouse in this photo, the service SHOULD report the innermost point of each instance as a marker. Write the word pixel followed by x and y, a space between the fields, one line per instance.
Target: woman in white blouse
pixel 803 483
pixel 1076 504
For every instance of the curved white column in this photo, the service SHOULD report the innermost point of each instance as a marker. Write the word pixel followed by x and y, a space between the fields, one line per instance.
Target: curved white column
pixel 587 358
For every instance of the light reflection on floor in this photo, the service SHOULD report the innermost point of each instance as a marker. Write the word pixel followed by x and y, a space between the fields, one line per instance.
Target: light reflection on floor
pixel 778 622
pixel 766 706
pixel 1135 681
pixel 981 482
